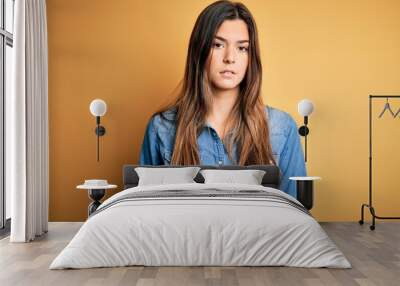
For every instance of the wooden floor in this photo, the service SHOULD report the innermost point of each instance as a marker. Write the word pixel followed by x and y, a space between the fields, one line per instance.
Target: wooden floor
pixel 374 255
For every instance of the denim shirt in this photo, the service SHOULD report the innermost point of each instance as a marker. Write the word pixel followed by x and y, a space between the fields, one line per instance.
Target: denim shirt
pixel 159 140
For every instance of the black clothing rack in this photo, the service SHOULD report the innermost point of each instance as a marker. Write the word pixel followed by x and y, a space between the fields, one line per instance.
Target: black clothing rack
pixel 369 205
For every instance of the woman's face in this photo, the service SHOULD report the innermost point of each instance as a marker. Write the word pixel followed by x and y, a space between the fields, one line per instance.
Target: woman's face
pixel 228 59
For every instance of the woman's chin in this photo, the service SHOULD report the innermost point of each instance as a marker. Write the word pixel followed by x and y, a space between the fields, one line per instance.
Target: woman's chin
pixel 225 86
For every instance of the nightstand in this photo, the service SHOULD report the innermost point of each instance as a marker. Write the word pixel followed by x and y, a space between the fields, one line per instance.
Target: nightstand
pixel 305 192
pixel 96 191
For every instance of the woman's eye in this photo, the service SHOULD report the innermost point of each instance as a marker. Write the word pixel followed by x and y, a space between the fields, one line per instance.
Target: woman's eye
pixel 218 45
pixel 243 49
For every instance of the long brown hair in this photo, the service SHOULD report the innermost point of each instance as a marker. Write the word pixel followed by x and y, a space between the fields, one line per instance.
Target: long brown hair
pixel 247 123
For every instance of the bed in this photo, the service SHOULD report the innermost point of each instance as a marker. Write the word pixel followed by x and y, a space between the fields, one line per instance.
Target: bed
pixel 201 224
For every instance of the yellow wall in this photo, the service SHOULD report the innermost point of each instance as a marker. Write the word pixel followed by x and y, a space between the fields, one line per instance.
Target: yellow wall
pixel 132 54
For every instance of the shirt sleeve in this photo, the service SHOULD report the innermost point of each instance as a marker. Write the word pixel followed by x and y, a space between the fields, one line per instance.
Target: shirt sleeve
pixel 150 150
pixel 292 160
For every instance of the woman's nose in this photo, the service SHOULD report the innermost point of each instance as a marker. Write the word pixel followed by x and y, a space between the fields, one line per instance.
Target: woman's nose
pixel 229 57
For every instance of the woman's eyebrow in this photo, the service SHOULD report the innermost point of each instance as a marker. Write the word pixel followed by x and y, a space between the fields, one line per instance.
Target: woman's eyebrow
pixel 225 40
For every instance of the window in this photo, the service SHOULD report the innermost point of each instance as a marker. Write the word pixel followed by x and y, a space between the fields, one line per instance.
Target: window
pixel 6 63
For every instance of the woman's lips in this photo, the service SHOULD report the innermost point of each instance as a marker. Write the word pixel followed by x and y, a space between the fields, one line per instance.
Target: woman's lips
pixel 227 74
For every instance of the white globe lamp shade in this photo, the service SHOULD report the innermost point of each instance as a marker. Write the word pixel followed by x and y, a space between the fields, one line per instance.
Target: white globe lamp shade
pixel 98 107
pixel 305 107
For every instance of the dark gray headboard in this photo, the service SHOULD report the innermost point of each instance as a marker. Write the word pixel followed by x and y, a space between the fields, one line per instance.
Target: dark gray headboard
pixel 271 178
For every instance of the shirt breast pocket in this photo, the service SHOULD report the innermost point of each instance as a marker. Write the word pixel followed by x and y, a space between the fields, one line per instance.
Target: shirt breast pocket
pixel 278 142
pixel 206 155
pixel 277 157
pixel 206 159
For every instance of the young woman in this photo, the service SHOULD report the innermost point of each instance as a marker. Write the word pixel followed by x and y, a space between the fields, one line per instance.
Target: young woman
pixel 219 116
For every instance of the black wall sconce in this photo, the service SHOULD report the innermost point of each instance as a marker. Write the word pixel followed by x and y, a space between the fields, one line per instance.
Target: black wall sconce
pixel 305 108
pixel 98 108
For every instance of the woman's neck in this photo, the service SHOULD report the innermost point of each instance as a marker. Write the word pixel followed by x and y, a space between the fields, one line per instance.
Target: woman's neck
pixel 221 106
pixel 222 103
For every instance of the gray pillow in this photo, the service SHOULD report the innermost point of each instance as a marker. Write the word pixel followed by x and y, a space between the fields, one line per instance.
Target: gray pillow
pixel 162 176
pixel 249 177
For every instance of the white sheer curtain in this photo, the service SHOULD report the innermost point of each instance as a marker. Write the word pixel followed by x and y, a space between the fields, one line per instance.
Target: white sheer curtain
pixel 27 157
